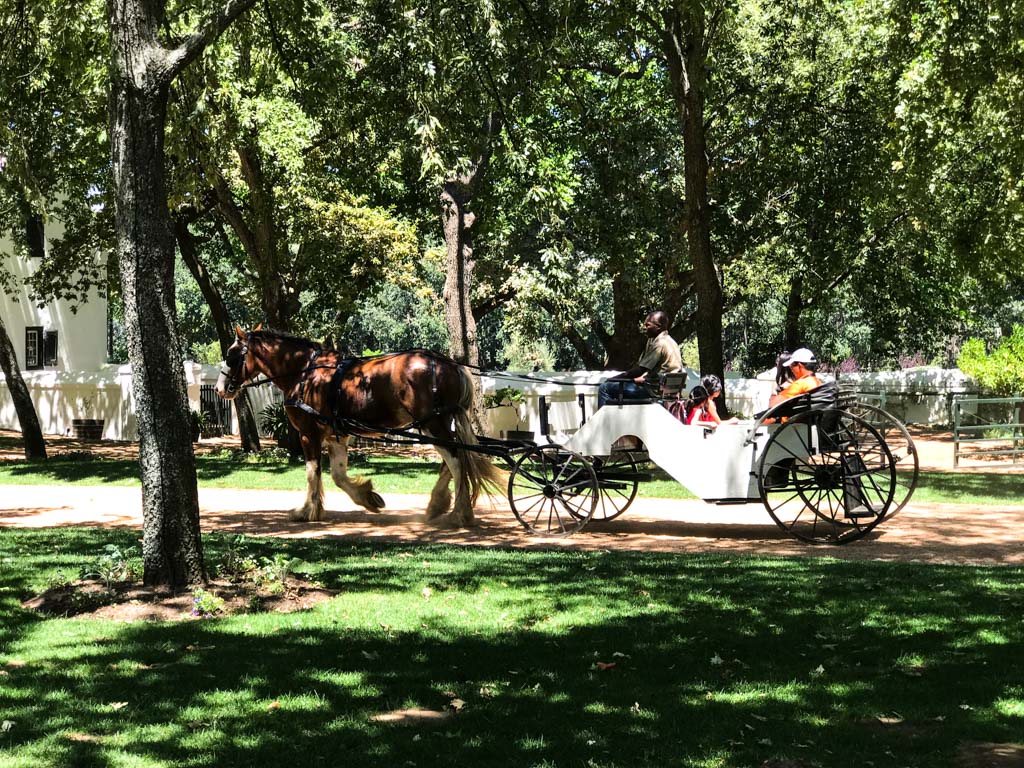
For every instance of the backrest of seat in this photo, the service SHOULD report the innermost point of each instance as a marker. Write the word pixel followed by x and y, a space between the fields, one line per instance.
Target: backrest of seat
pixel 672 384
pixel 824 396
pixel 821 397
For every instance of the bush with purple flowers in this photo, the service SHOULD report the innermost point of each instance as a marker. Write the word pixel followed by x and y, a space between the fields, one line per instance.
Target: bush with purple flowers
pixel 206 604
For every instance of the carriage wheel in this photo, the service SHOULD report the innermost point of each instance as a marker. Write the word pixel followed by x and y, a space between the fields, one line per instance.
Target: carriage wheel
pixel 900 444
pixel 618 481
pixel 552 491
pixel 827 477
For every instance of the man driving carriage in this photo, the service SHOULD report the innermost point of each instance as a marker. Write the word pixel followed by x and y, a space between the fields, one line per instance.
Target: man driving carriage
pixel 641 382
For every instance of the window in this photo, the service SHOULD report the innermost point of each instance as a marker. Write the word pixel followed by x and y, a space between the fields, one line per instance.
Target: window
pixel 33 348
pixel 50 349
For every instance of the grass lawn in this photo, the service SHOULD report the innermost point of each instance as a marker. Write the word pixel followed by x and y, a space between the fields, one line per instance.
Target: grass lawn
pixel 718 661
pixel 399 475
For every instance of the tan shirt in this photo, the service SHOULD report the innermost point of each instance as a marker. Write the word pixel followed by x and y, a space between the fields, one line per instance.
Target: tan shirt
pixel 661 356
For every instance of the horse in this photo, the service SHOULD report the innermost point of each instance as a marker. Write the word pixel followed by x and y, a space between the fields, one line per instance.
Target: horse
pixel 328 398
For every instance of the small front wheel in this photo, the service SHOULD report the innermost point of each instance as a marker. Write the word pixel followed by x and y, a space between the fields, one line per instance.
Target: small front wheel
pixel 553 491
pixel 618 479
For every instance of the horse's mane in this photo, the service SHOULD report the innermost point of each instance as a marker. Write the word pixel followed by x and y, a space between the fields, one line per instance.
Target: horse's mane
pixel 270 333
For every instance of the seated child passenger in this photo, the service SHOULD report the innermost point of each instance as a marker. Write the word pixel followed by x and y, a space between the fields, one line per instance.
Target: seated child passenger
pixel 713 385
pixel 696 407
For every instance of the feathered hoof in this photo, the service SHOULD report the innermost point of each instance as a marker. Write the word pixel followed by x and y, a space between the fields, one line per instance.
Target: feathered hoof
pixel 305 515
pixel 377 501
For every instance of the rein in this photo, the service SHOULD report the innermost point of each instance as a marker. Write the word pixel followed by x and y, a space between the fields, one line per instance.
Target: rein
pixel 476 370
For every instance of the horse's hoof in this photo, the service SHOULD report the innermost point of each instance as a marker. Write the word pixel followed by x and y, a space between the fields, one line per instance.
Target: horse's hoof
pixel 376 500
pixel 298 515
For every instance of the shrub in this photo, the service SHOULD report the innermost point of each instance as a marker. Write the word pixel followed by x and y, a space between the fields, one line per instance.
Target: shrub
pixel 1000 372
pixel 114 565
pixel 504 396
pixel 274 421
pixel 206 604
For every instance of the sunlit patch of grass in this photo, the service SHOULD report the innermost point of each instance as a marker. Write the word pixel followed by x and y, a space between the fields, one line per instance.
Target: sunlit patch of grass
pixel 1012 705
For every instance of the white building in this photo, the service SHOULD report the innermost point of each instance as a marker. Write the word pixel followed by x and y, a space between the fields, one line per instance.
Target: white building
pixel 51 337
pixel 62 355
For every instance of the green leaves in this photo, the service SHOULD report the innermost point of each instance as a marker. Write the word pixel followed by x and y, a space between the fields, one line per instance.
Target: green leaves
pixel 1000 372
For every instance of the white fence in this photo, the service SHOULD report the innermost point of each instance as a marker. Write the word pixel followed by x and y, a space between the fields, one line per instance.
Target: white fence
pixel 916 396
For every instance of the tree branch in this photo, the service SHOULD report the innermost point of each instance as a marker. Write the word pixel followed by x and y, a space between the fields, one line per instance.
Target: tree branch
pixel 574 337
pixel 612 69
pixel 491 303
pixel 180 57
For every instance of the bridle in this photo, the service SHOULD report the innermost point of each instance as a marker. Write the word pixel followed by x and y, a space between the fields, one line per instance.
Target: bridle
pixel 230 384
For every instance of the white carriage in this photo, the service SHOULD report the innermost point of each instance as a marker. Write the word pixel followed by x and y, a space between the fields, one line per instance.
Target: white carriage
pixel 827 468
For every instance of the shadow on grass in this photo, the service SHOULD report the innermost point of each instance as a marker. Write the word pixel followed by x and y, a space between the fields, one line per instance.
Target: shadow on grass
pixel 726 661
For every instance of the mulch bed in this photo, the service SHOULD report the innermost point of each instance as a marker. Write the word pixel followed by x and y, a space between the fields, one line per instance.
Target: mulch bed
pixel 131 601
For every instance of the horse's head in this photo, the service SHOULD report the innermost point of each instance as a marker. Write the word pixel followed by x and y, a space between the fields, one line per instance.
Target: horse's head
pixel 236 369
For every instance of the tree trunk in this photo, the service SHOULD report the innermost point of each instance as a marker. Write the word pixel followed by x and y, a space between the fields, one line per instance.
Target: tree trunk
pixel 457 223
pixel 31 433
pixel 684 42
pixel 794 306
pixel 626 342
pixel 141 71
pixel 247 428
pixel 256 229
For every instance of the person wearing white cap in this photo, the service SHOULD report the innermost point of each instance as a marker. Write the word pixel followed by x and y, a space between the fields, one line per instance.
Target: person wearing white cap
pixel 803 365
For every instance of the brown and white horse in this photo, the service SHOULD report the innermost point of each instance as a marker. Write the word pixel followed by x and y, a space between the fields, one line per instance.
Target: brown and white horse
pixel 394 391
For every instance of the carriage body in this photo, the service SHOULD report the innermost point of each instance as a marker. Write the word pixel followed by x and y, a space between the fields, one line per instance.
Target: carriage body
pixel 716 465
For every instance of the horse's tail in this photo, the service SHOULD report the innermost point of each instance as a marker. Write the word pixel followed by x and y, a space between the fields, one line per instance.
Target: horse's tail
pixel 481 472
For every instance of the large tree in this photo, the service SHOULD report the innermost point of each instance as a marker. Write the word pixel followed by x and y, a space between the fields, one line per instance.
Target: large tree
pixel 142 68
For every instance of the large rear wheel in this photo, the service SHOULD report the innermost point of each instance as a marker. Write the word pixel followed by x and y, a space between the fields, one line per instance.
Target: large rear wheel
pixel 827 477
pixel 900 445
pixel 553 491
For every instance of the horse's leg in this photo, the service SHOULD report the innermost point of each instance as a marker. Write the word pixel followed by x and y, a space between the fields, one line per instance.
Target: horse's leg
pixel 462 511
pixel 312 448
pixel 359 489
pixel 440 496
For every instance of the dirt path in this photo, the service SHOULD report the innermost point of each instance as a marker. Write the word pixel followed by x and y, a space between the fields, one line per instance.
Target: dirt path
pixel 936 533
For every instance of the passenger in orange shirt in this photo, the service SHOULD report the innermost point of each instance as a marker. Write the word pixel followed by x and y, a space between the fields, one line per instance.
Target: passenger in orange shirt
pixel 803 364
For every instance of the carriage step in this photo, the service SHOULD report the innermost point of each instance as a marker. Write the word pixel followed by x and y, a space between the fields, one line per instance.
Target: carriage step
pixel 859 511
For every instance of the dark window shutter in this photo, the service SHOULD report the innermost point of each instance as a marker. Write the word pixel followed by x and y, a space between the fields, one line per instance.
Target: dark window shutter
pixel 50 348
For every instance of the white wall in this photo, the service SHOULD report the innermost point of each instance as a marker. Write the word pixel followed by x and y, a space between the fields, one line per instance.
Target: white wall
pixel 921 395
pixel 81 335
